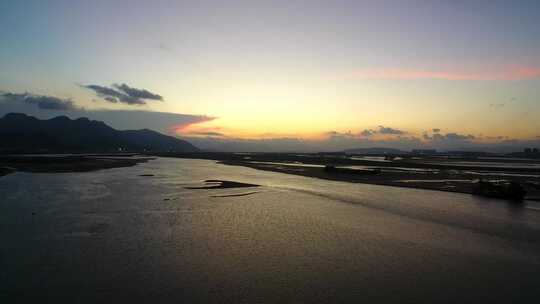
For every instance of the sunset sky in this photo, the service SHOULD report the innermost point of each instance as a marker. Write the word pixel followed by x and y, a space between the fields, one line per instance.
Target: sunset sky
pixel 423 73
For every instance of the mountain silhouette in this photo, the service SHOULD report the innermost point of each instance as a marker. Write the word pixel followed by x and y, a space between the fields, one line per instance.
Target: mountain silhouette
pixel 23 133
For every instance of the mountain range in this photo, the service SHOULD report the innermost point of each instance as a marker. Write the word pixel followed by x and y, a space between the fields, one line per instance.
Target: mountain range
pixel 23 133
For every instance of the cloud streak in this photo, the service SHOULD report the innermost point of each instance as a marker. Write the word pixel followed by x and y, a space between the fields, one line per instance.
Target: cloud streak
pixel 122 93
pixel 137 93
pixel 510 73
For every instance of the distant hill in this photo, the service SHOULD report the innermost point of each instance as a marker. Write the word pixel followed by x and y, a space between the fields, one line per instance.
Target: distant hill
pixel 23 133
pixel 375 150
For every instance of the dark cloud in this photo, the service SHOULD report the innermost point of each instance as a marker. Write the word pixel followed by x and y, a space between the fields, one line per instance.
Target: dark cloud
pixel 456 136
pixel 110 99
pixel 102 91
pixel 41 101
pixel 336 134
pixel 391 131
pixel 367 132
pixel 123 93
pixel 448 137
pixel 137 93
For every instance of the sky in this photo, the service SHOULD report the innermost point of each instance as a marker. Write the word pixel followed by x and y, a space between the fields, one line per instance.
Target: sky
pixel 282 75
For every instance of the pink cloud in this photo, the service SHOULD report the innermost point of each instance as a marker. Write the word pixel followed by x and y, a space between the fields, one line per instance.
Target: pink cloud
pixel 181 128
pixel 507 73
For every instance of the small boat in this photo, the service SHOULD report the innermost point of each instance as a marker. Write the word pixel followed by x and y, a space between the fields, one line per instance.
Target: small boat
pixel 334 169
pixel 499 189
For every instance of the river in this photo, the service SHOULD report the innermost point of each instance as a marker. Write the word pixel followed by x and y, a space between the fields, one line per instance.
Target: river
pixel 114 235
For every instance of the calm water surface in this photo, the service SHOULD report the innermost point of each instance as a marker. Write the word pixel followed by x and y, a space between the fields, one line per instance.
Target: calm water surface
pixel 113 235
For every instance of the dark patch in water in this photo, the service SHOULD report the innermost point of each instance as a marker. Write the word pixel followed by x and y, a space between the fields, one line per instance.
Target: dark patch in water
pixel 222 184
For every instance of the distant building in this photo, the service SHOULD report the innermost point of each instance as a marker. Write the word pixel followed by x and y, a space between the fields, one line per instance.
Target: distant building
pixel 535 150
pixel 527 150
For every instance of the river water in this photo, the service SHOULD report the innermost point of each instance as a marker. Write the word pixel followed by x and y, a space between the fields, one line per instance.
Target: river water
pixel 113 235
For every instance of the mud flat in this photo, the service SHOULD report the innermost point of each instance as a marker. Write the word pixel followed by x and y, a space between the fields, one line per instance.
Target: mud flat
pixel 68 163
pixel 443 180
